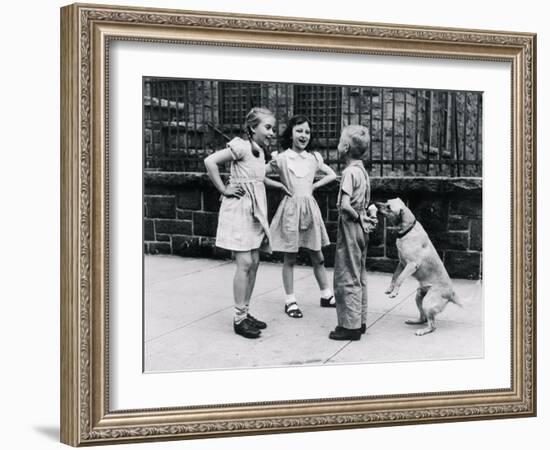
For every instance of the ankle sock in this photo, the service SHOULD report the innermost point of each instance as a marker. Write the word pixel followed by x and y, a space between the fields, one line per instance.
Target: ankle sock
pixel 240 314
pixel 290 298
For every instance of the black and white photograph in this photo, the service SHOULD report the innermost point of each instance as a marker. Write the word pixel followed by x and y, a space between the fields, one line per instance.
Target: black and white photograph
pixel 293 224
pixel 142 254
pixel 265 225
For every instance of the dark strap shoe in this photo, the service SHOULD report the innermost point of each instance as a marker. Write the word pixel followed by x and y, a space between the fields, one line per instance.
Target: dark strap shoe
pixel 256 323
pixel 328 302
pixel 246 329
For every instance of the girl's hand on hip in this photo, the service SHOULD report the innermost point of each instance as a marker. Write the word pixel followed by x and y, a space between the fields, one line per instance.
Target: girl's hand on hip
pixel 233 191
pixel 285 190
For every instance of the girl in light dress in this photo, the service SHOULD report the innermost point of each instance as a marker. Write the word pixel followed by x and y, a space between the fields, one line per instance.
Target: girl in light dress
pixel 242 221
pixel 298 222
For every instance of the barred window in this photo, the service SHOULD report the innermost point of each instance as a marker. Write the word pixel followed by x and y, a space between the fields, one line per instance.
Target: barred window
pixel 413 131
pixel 323 106
pixel 236 99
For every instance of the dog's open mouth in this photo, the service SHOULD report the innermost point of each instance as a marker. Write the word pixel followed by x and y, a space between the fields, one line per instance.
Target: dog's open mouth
pixel 382 209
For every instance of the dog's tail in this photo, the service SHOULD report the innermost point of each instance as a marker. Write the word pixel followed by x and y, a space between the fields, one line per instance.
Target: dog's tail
pixel 454 299
pixel 472 295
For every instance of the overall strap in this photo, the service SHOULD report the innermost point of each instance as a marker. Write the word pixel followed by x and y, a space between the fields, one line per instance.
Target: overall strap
pixel 367 190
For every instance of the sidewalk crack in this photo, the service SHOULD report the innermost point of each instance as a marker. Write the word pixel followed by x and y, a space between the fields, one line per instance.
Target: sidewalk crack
pixel 154 338
pixel 371 325
pixel 186 324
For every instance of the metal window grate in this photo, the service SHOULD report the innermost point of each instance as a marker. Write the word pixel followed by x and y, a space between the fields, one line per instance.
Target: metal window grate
pixel 323 106
pixel 178 123
pixel 414 132
pixel 236 99
pixel 418 132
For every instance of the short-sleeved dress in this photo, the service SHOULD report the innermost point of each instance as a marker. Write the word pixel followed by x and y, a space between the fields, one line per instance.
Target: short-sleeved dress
pixel 298 221
pixel 242 222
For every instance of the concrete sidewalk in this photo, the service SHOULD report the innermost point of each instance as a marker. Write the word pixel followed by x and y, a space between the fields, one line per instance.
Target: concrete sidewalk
pixel 188 312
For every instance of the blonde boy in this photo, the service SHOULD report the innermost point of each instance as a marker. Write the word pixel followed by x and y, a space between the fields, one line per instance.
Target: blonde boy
pixel 350 274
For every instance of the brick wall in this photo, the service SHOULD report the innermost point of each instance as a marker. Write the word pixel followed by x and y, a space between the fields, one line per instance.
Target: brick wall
pixel 181 211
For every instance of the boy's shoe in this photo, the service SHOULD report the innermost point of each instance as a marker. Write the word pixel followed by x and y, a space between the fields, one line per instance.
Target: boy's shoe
pixel 246 329
pixel 328 302
pixel 345 334
pixel 363 328
pixel 256 323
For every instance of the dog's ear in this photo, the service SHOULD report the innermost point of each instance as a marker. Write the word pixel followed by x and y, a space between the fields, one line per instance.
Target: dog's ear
pixel 401 211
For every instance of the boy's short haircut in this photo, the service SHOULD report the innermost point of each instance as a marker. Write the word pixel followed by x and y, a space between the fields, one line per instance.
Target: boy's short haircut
pixel 358 138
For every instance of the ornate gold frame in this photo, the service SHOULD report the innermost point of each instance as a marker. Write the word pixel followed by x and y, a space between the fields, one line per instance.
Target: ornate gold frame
pixel 86 31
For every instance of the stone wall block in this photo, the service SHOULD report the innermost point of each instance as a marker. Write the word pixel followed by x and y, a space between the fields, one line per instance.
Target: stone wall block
pixel 161 207
pixel 189 199
pixel 205 224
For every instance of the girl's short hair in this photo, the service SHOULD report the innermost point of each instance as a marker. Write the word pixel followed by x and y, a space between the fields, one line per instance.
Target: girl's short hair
pixel 358 138
pixel 286 137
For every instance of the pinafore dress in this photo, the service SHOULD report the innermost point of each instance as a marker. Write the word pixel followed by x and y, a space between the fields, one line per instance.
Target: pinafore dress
pixel 298 222
pixel 242 222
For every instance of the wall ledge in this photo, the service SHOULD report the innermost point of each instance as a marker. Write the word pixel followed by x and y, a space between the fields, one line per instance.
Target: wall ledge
pixel 385 185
